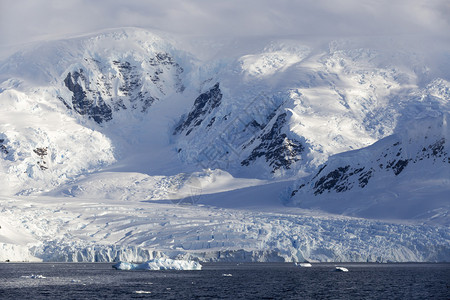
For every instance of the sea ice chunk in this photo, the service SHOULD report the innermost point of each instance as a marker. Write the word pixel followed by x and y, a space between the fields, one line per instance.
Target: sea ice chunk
pixel 160 264
pixel 303 265
pixel 33 276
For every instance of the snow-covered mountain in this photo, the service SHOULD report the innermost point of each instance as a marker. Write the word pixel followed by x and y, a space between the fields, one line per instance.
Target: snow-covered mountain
pixel 275 113
pixel 288 107
pixel 405 175
pixel 61 94
pixel 92 126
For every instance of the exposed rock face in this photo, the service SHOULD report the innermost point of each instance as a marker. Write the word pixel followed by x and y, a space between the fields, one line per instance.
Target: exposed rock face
pixel 343 179
pixel 3 147
pixel 203 106
pixel 120 84
pixel 42 153
pixel 96 109
pixel 278 150
pixel 166 62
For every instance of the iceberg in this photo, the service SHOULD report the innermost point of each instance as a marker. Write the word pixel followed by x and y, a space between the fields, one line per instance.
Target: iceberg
pixel 341 269
pixel 33 276
pixel 159 264
pixel 303 265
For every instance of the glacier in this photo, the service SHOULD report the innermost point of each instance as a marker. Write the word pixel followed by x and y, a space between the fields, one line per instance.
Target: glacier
pixel 126 145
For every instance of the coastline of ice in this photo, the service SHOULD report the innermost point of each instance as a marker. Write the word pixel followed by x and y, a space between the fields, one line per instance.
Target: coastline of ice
pixel 159 264
pixel 83 230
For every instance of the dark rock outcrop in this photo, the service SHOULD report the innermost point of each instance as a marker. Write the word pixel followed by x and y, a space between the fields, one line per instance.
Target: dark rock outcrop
pixel 42 153
pixel 129 86
pixel 392 159
pixel 277 149
pixel 3 147
pixel 96 109
pixel 203 106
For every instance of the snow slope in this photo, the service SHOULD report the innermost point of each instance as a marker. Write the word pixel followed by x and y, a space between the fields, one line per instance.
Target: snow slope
pixel 41 146
pixel 406 175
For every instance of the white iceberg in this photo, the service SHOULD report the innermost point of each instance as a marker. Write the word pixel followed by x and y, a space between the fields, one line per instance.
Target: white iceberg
pixel 303 265
pixel 159 264
pixel 341 269
pixel 33 276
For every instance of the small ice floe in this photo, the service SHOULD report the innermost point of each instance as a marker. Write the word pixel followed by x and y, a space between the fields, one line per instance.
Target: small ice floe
pixel 303 265
pixel 341 269
pixel 227 275
pixel 159 264
pixel 33 276
pixel 143 292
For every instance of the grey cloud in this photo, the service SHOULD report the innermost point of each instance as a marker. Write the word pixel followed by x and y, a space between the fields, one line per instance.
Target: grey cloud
pixel 25 20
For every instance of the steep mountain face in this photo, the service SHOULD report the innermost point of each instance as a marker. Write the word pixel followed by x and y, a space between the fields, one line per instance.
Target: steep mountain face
pixel 51 92
pixel 120 84
pixel 96 109
pixel 278 150
pixel 202 108
pixel 237 134
pixel 388 176
pixel 101 74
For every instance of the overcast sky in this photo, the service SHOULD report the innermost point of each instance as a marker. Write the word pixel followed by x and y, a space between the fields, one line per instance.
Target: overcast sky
pixel 26 20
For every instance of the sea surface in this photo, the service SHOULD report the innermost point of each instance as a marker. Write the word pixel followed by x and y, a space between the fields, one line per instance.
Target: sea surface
pixel 225 281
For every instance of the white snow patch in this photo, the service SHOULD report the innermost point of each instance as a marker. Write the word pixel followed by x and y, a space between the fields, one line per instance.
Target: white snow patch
pixel 268 63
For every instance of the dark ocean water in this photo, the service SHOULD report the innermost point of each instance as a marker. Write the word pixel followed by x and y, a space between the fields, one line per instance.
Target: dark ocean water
pixel 247 281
